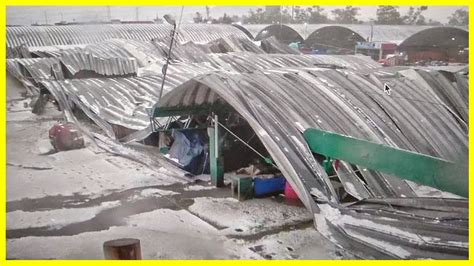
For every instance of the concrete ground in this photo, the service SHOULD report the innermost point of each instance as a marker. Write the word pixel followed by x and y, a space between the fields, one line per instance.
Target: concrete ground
pixel 65 205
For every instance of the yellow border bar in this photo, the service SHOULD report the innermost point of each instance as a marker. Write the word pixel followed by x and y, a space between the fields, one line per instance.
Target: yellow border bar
pixel 238 2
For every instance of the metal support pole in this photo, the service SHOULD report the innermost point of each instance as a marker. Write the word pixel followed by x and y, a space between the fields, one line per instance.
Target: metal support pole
pixel 215 156
pixel 165 67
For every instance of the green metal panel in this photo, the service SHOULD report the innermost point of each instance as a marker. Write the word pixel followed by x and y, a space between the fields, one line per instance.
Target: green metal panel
pixel 242 187
pixel 420 168
pixel 215 158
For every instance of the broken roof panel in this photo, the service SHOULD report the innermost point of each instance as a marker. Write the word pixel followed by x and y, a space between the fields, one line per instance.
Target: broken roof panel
pixel 279 106
pixel 87 34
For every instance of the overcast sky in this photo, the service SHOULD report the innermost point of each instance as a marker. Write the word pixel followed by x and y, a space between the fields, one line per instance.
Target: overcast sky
pixel 38 14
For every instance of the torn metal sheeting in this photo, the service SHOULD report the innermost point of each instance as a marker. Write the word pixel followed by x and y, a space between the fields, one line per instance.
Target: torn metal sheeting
pixel 279 106
pixel 101 96
pixel 280 96
pixel 31 71
pixel 34 36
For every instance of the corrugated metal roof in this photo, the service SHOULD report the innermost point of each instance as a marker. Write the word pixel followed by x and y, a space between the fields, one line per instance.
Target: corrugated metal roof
pixel 95 89
pixel 282 95
pixel 87 34
pixel 280 105
pixel 381 33
pixel 31 71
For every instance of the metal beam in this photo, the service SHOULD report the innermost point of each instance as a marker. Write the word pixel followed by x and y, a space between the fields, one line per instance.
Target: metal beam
pixel 179 111
pixel 423 169
pixel 216 161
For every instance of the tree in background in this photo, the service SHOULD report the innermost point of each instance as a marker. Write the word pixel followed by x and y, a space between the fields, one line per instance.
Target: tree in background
pixel 255 17
pixel 346 15
pixel 388 15
pixel 317 15
pixel 300 15
pixel 285 16
pixel 460 17
pixel 432 22
pixel 198 18
pixel 208 13
pixel 225 19
pixel 414 16
pixel 269 16
pixel 274 15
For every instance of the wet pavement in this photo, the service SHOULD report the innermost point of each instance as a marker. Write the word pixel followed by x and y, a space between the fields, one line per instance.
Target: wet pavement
pixel 42 183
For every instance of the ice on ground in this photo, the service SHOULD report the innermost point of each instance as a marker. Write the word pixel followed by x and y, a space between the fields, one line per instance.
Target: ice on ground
pixel 154 192
pixel 154 245
pixel 173 222
pixel 197 188
pixel 20 105
pixel 296 244
pixel 55 218
pixel 250 216
pixel 83 172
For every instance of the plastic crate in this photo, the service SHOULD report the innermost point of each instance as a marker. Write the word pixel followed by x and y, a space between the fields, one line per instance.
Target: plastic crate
pixel 268 186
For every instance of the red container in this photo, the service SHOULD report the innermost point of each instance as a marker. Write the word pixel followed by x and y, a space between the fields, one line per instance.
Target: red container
pixel 289 192
pixel 65 137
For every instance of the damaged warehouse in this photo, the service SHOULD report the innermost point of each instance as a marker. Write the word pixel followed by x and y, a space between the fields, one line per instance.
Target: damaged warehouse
pixel 248 113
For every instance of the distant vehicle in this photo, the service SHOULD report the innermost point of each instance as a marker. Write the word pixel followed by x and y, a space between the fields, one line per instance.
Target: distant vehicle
pixel 384 62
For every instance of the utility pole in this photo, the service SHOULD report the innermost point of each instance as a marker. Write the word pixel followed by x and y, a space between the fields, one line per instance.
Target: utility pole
pixel 208 10
pixel 136 13
pixel 109 18
pixel 371 31
pixel 62 18
pixel 46 17
pixel 292 13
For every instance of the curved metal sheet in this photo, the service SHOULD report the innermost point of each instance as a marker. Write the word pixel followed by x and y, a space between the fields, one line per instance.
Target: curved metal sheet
pixel 438 37
pixel 86 34
pixel 280 105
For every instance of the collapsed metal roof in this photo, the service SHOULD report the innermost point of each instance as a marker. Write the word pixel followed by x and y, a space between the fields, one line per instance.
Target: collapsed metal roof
pixel 281 95
pixel 86 34
pixel 280 105
pixel 142 92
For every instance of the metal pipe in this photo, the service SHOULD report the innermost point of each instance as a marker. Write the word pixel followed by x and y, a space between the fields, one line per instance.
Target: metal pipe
pixel 165 67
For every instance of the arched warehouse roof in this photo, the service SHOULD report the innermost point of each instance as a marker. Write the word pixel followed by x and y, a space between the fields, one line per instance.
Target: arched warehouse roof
pixel 280 105
pixel 385 33
pixel 449 37
pixel 333 37
pixel 282 33
pixel 32 36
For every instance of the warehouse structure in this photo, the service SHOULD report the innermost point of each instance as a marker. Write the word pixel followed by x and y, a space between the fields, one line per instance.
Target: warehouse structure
pixel 112 74
pixel 441 43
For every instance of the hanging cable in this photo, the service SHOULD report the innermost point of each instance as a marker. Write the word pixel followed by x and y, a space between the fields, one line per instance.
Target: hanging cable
pixel 245 143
